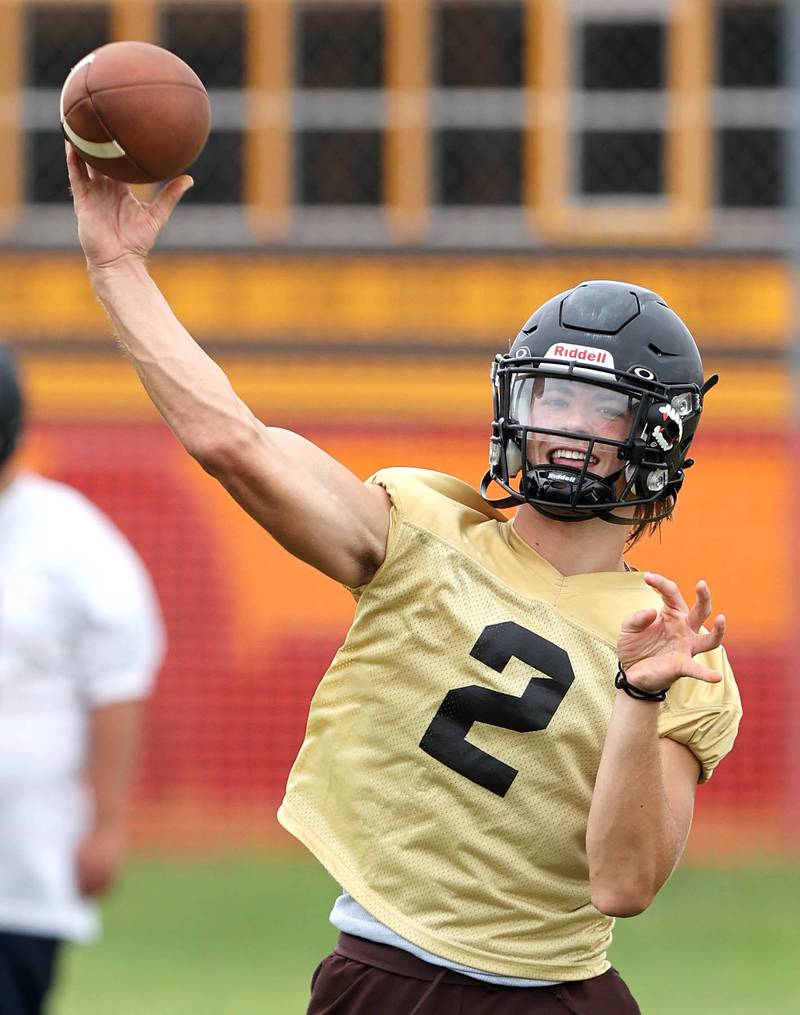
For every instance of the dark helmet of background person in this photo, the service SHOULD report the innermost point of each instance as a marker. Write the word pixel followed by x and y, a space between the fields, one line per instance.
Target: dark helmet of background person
pixel 613 336
pixel 11 404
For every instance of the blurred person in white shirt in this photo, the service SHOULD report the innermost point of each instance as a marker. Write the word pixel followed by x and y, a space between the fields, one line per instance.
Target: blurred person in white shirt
pixel 80 642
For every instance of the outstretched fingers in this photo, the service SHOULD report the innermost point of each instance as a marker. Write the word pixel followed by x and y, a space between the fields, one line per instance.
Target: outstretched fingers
pixel 709 640
pixel 699 672
pixel 668 590
pixel 702 606
pixel 706 641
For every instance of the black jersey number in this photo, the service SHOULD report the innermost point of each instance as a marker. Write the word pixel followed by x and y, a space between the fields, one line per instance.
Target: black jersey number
pixel 532 711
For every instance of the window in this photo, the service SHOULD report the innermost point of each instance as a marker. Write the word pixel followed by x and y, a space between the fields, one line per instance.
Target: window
pixel 749 47
pixel 750 129
pixel 622 149
pixel 210 38
pixel 480 167
pixel 751 168
pixel 46 179
pixel 340 46
pixel 615 162
pixel 622 56
pixel 480 45
pixel 340 167
pixel 58 36
pixel 217 173
pixel 621 136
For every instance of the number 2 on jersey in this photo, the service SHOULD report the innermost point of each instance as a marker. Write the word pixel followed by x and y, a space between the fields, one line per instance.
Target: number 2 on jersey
pixel 531 711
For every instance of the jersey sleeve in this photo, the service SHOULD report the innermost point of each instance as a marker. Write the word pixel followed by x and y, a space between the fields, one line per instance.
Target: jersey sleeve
pixel 432 501
pixel 429 500
pixel 704 717
pixel 120 644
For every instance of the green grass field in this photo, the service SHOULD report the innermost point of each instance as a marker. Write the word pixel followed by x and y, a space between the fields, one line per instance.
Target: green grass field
pixel 242 936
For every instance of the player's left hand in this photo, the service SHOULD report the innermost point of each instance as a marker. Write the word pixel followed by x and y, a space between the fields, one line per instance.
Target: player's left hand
pixel 657 647
pixel 99 860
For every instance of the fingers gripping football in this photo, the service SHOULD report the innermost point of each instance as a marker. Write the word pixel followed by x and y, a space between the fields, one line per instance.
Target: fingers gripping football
pixel 658 647
pixel 112 223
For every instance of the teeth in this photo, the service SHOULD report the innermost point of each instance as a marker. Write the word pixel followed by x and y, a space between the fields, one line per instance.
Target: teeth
pixel 571 453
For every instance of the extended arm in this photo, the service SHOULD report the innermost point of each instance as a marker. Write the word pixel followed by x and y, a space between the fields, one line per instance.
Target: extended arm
pixel 113 740
pixel 308 501
pixel 643 798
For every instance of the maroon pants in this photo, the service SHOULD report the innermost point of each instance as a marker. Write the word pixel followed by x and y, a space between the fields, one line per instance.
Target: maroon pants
pixel 364 978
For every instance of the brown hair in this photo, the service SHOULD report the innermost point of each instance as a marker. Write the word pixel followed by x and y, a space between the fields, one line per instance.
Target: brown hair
pixel 645 527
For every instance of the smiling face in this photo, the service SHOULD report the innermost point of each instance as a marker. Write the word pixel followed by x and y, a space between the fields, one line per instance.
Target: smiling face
pixel 570 405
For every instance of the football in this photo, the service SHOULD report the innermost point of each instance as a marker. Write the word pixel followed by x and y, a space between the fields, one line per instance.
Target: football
pixel 135 112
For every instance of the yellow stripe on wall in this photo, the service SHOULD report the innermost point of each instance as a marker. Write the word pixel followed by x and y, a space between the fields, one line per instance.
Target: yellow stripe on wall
pixel 477 301
pixel 332 392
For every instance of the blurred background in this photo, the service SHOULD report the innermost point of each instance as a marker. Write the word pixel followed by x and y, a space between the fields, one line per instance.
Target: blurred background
pixel 390 188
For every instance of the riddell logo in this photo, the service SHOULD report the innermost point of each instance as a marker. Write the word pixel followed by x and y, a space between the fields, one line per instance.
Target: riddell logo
pixel 582 354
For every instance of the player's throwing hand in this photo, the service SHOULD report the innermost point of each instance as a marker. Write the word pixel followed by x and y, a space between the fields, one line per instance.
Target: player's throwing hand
pixel 657 647
pixel 112 223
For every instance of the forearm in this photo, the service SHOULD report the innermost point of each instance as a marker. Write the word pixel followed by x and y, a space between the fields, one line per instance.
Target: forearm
pixel 633 838
pixel 187 387
pixel 113 742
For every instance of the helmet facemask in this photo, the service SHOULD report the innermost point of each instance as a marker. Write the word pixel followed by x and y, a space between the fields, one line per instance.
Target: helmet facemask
pixel 589 441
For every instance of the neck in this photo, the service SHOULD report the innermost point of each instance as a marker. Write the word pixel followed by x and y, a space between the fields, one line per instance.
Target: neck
pixel 573 547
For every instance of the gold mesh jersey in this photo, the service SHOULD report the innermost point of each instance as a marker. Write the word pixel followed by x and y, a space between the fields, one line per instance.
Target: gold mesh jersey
pixel 452 746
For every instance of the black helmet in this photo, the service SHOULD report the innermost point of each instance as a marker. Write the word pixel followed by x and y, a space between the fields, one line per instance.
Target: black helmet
pixel 11 405
pixel 603 373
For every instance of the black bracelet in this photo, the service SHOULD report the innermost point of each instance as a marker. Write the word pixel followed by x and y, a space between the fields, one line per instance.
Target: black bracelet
pixel 621 682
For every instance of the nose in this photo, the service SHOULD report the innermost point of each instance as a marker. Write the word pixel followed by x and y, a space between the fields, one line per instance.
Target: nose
pixel 576 417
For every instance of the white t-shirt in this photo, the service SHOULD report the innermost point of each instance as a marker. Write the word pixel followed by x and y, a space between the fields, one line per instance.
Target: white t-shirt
pixel 79 628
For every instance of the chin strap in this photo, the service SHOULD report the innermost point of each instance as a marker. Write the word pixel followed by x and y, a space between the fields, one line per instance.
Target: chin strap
pixel 510 501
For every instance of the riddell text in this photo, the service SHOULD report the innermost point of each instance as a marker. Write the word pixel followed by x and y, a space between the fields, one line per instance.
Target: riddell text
pixel 581 352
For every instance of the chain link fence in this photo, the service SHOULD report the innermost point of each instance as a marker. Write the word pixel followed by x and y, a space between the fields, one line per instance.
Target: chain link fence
pixel 483 115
